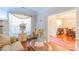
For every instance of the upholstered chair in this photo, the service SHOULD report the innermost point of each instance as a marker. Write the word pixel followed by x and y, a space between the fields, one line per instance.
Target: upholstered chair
pixel 4 40
pixel 13 39
pixel 17 46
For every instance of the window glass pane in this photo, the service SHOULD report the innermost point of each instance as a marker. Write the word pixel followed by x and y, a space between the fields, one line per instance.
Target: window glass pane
pixel 14 23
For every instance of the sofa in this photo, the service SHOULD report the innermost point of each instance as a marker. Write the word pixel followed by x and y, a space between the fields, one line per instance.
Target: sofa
pixel 6 45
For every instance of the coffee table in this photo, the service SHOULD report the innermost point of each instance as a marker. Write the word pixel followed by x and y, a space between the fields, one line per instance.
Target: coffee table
pixel 39 48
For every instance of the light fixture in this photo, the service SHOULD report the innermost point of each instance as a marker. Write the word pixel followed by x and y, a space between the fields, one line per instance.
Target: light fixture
pixel 21 16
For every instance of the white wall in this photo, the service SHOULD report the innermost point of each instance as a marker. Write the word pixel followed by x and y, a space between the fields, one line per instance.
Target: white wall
pixel 77 33
pixel 42 24
pixel 4 17
pixel 3 14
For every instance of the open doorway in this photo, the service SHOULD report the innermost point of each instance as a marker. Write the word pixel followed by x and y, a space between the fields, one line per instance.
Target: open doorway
pixel 62 29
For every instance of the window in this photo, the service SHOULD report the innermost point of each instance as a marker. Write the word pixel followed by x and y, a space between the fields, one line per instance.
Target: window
pixel 59 23
pixel 14 23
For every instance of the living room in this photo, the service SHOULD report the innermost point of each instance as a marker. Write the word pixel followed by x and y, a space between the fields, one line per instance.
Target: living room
pixel 27 28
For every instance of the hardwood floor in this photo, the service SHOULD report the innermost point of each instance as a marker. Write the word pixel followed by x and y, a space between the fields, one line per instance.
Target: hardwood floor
pixel 62 43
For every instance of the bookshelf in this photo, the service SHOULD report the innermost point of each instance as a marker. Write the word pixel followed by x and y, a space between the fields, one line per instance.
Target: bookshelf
pixel 1 26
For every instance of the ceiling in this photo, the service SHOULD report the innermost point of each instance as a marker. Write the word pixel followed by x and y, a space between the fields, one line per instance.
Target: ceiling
pixel 39 9
pixel 34 10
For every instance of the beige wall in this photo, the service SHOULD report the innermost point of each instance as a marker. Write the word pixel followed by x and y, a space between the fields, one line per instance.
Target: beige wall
pixel 70 23
pixel 51 26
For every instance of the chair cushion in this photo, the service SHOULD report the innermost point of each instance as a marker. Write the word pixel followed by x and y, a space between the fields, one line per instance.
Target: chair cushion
pixel 6 48
pixel 17 46
pixel 4 40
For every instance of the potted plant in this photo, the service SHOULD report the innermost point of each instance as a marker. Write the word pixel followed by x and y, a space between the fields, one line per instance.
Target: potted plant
pixel 22 27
